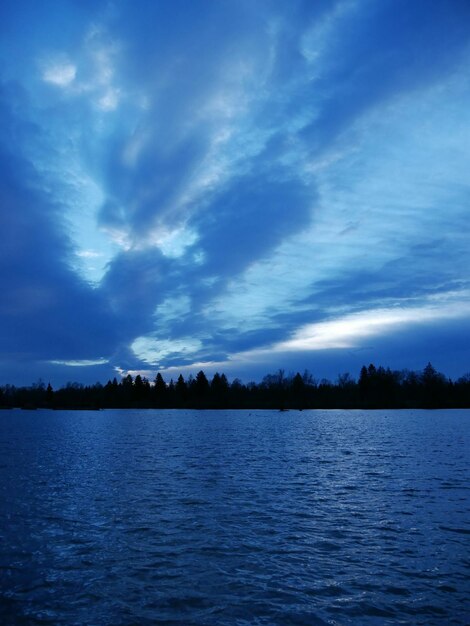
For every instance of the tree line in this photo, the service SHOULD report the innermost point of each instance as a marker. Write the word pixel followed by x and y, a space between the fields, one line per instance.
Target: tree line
pixel 376 387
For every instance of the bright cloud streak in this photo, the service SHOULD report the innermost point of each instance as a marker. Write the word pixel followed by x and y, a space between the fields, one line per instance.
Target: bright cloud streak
pixel 351 330
pixel 82 363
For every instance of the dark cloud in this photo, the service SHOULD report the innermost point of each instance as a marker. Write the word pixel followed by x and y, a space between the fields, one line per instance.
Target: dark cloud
pixel 175 129
pixel 251 217
pixel 426 270
pixel 149 189
pixel 47 312
pixel 134 284
pixel 413 347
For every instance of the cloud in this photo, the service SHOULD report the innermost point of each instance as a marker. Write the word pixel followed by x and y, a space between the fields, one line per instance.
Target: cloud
pixel 60 73
pixel 351 330
pixel 81 363
pixel 201 181
pixel 368 53
pixel 154 350
pixel 345 343
pixel 47 312
pixel 250 218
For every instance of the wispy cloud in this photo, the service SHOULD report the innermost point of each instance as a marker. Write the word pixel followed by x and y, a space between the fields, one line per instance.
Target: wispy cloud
pixel 59 73
pixel 80 363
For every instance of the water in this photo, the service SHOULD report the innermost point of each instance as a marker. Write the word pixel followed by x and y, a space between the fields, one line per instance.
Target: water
pixel 234 517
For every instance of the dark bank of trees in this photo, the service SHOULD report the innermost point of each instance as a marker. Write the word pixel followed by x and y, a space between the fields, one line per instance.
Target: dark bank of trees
pixel 376 387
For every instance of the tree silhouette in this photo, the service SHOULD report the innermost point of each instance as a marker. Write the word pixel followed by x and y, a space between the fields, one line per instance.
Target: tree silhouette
pixel 160 391
pixel 181 391
pixel 377 387
pixel 201 389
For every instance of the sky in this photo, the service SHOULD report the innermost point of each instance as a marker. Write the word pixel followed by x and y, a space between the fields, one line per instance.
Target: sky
pixel 234 186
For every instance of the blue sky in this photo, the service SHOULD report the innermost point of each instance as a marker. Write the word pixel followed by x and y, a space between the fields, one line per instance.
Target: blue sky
pixel 233 185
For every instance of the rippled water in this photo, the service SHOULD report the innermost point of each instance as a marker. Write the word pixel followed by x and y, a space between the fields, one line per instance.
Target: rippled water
pixel 234 517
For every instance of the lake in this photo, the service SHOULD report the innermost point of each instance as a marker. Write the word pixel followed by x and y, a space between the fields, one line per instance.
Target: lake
pixel 234 517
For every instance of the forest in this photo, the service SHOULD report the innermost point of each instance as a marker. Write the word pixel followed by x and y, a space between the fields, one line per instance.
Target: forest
pixel 376 387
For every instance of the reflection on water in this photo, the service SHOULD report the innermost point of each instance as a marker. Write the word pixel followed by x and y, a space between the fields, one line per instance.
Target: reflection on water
pixel 213 518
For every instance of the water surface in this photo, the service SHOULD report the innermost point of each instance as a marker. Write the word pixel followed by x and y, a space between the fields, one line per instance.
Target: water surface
pixel 234 517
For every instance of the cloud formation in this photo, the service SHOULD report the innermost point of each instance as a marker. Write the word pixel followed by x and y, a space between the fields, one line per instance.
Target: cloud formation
pixel 47 311
pixel 187 183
